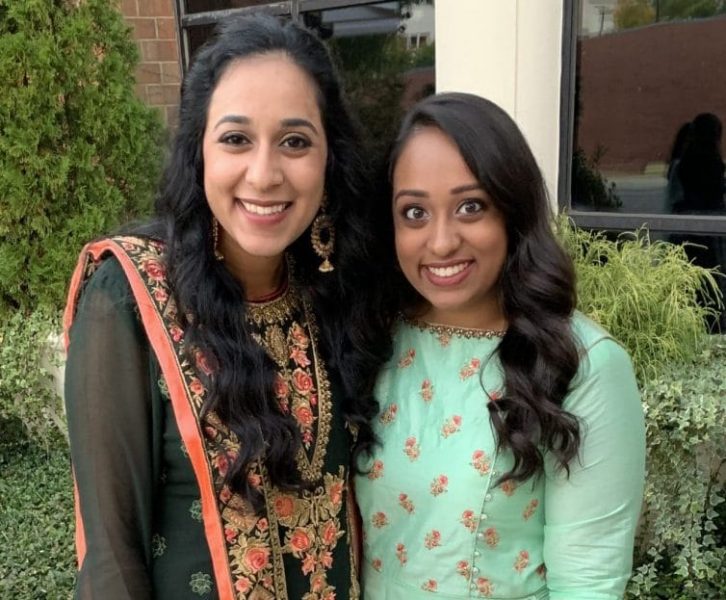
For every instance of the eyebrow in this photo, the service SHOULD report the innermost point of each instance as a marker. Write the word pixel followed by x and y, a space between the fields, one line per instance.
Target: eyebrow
pixel 421 194
pixel 242 120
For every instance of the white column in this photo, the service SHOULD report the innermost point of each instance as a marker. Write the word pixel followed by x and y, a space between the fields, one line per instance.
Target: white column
pixel 510 52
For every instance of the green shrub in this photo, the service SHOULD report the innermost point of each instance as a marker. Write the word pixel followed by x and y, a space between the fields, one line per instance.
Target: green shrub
pixel 37 561
pixel 29 361
pixel 680 552
pixel 647 294
pixel 79 153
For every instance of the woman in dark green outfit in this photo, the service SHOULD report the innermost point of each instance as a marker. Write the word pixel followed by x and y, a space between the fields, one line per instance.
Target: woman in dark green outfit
pixel 220 360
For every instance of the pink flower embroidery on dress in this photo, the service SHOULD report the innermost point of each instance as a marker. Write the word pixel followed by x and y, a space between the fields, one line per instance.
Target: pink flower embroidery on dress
pixel 388 415
pixel 509 487
pixel 521 562
pixel 484 586
pixel 407 359
pixel 463 569
pixel 469 520
pixel 491 536
pixel 411 448
pixel 432 539
pixel 376 470
pixel 542 571
pixel 377 564
pixel 401 554
pixel 427 390
pixel 480 462
pixel 530 509
pixel 469 369
pixel 379 520
pixel 439 485
pixel 451 426
pixel 406 503
pixel 430 585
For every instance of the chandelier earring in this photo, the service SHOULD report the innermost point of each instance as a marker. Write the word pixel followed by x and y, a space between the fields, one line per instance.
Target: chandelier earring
pixel 215 239
pixel 322 237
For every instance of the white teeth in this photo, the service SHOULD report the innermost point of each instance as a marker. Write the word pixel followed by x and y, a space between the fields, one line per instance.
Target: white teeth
pixel 448 271
pixel 264 210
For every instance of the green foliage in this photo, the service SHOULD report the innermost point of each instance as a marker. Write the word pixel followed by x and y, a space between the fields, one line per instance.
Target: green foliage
pixel 689 9
pixel 633 13
pixel 28 358
pixel 79 153
pixel 680 551
pixel 589 187
pixel 647 294
pixel 36 523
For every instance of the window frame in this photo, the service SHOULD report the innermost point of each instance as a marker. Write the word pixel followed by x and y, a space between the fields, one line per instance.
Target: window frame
pixel 292 8
pixel 676 223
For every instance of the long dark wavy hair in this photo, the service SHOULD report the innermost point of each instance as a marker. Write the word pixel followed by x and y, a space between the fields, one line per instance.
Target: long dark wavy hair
pixel 538 353
pixel 351 314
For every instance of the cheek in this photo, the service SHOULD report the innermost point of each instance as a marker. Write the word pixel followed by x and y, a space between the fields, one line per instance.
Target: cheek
pixel 406 244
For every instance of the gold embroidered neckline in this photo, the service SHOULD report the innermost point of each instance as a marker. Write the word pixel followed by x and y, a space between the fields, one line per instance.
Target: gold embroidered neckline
pixel 449 331
pixel 275 311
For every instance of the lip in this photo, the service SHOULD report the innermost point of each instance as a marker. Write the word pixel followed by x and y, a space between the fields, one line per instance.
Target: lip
pixel 263 219
pixel 452 280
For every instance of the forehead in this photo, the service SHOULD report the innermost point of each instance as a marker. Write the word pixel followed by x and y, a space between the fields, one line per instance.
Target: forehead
pixel 268 85
pixel 429 157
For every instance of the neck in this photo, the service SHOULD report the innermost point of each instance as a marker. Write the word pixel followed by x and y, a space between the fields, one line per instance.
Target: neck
pixel 260 276
pixel 485 317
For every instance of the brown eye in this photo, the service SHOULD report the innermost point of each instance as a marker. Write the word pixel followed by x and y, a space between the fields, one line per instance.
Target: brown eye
pixel 471 207
pixel 296 142
pixel 414 213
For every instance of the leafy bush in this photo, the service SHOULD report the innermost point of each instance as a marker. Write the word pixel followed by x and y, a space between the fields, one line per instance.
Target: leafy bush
pixel 680 552
pixel 37 561
pixel 79 153
pixel 647 294
pixel 29 362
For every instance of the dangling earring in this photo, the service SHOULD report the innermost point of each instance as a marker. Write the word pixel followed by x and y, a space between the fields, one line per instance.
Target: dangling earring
pixel 323 228
pixel 215 239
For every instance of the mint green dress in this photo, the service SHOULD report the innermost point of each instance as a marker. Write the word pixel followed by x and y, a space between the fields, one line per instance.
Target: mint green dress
pixel 434 523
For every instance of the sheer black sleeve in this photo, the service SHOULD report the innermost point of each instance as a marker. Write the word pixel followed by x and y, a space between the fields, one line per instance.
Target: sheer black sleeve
pixel 109 405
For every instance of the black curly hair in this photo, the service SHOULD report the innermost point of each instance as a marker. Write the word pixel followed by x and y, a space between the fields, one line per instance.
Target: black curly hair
pixel 351 312
pixel 538 353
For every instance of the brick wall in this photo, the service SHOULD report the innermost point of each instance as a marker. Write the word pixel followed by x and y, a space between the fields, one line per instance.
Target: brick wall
pixel 158 75
pixel 639 86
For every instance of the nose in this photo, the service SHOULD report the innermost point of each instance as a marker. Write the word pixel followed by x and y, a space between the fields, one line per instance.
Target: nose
pixel 444 238
pixel 263 169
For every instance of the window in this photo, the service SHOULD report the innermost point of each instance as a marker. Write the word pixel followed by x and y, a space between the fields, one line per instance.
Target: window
pixel 643 111
pixel 384 49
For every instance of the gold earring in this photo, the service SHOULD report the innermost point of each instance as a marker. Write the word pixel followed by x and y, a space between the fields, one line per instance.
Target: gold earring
pixel 215 239
pixel 323 228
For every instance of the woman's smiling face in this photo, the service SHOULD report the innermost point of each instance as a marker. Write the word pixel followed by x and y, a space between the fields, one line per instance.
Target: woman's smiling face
pixel 265 153
pixel 451 240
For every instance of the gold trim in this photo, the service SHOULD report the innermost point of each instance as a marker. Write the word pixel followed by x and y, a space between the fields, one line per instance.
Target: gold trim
pixel 448 330
pixel 276 311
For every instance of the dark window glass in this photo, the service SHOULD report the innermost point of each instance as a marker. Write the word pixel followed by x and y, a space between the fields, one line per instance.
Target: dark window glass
pixel 650 102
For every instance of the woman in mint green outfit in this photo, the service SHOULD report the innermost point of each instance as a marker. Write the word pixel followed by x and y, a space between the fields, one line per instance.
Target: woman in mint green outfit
pixel 511 462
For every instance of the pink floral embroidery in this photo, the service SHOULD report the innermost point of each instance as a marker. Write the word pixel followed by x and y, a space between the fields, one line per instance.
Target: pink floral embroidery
pixel 494 396
pixel 469 520
pixel 484 586
pixel 376 470
pixel 406 503
pixel 429 586
pixel 379 520
pixel 299 356
pixel 401 554
pixel 407 359
pixel 542 571
pixel 463 569
pixel 521 562
pixel 439 485
pixel 480 462
pixel 451 426
pixel 491 536
pixel 470 368
pixel 530 509
pixel 388 415
pixel 444 339
pixel 432 539
pixel 427 390
pixel 377 564
pixel 509 487
pixel 411 448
